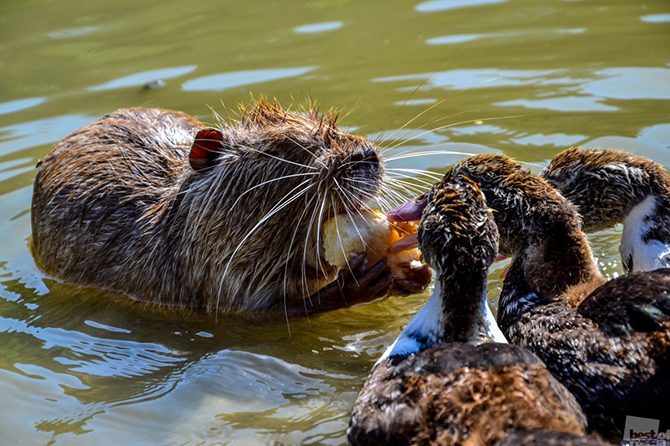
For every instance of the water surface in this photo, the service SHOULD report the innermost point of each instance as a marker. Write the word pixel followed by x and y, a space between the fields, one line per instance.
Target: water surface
pixel 525 78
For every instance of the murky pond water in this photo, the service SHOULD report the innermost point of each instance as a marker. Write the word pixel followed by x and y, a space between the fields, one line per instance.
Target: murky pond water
pixel 526 78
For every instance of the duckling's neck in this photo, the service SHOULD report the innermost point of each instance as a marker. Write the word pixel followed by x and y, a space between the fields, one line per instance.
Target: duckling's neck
pixel 457 311
pixel 558 258
pixel 556 261
pixel 645 243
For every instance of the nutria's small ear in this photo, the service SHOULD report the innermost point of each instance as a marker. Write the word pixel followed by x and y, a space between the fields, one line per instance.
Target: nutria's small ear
pixel 205 148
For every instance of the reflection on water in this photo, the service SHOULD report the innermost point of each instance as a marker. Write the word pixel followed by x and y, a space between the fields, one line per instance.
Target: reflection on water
pixel 444 5
pixel 139 79
pixel 19 104
pixel 443 78
pixel 656 18
pixel 318 27
pixel 226 81
pixel 72 33
pixel 563 104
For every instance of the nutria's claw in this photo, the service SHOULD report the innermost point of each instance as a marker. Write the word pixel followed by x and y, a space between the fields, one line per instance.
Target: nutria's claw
pixel 360 282
pixel 357 283
pixel 414 280
pixel 374 281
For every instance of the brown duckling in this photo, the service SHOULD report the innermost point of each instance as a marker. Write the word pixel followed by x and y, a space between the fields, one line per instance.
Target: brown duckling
pixel 609 343
pixel 450 378
pixel 610 187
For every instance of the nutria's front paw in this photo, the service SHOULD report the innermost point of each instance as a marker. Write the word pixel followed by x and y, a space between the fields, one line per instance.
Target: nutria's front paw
pixel 411 278
pixel 367 282
pixel 358 282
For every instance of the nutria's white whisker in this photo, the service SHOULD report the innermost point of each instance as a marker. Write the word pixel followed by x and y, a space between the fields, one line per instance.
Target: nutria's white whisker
pixel 410 185
pixel 289 255
pixel 286 264
pixel 409 188
pixel 454 124
pixel 199 211
pixel 314 156
pixel 279 159
pixel 377 198
pixel 365 194
pixel 420 172
pixel 344 199
pixel 394 195
pixel 319 224
pixel 417 116
pixel 304 174
pixel 358 180
pixel 354 163
pixel 427 153
pixel 339 238
pixel 411 95
pixel 308 234
pixel 357 203
pixel 283 202
pixel 302 147
pixel 410 181
pixel 392 202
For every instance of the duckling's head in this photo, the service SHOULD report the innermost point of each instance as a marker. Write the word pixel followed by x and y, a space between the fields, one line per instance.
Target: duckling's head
pixel 487 169
pixel 459 240
pixel 457 234
pixel 605 185
pixel 525 206
pixel 610 187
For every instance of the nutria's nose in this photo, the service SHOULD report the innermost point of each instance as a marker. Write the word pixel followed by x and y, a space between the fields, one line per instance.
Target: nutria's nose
pixel 364 154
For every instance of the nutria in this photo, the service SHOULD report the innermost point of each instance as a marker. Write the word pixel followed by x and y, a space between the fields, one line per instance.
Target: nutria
pixel 158 206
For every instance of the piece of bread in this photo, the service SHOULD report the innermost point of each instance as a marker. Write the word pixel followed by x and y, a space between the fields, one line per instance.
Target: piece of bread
pixel 371 233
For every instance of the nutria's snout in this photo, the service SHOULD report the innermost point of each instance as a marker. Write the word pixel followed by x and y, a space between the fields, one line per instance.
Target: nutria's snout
pixel 353 170
pixel 364 154
pixel 365 165
pixel 367 160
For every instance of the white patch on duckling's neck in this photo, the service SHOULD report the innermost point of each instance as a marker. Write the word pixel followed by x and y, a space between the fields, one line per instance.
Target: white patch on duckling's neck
pixel 491 329
pixel 427 328
pixel 643 255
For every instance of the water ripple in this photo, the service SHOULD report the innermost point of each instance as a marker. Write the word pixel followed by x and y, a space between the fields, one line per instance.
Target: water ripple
pixel 226 81
pixel 20 104
pixel 143 77
pixel 318 27
pixel 445 5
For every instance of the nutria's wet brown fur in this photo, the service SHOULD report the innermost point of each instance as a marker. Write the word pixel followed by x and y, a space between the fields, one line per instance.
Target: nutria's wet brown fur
pixel 117 205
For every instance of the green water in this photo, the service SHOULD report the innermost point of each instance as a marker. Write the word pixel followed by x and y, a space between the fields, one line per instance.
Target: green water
pixel 526 78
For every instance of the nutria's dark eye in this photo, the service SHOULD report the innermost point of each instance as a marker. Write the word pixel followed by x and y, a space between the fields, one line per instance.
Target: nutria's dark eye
pixel 206 146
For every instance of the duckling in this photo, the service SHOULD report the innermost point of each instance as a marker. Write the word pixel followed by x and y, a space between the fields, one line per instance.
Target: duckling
pixel 607 342
pixel 610 187
pixel 451 378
